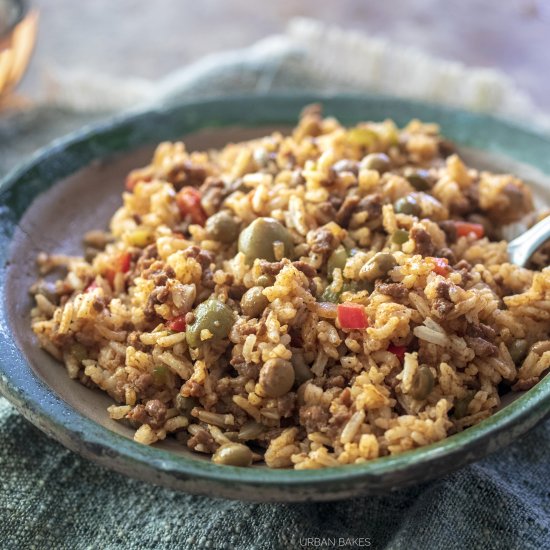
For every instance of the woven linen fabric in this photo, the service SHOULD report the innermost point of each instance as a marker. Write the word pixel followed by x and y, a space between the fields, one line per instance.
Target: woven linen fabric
pixel 50 498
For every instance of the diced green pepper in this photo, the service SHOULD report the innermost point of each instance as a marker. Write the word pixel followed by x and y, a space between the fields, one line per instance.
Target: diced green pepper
pixel 336 260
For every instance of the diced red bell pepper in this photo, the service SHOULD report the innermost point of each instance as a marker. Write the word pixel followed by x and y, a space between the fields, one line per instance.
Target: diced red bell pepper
pixel 352 316
pixel 177 324
pixel 122 264
pixel 188 200
pixel 110 276
pixel 398 351
pixel 466 228
pixel 441 266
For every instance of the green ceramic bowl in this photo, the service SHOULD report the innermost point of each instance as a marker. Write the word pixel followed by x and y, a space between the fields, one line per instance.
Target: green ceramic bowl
pixel 75 184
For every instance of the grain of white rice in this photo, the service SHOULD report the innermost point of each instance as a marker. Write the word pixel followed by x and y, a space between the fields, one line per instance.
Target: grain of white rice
pixel 320 363
pixel 352 427
pixel 183 368
pixel 106 332
pixel 66 318
pixel 215 418
pixel 172 340
pixel 430 335
pixel 246 406
pixel 176 423
pixel 118 412
pixel 45 305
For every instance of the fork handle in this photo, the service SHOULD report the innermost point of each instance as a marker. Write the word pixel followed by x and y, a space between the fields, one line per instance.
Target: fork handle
pixel 523 247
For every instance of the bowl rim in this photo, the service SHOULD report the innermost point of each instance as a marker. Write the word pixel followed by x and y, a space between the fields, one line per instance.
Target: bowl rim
pixel 22 9
pixel 20 384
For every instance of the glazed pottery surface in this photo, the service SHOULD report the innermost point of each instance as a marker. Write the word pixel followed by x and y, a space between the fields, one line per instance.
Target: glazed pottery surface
pixel 75 184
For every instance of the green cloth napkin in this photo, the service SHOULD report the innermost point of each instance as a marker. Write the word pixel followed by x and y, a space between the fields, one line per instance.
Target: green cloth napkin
pixel 50 498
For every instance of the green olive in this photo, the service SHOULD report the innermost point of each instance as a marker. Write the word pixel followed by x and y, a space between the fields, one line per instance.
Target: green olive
pixel 422 384
pixel 185 404
pixel 400 236
pixel 461 405
pixel 337 259
pixel 361 136
pixel 265 280
pixel 79 351
pixel 345 165
pixel 407 205
pixel 233 454
pixel 160 375
pixel 302 372
pixel 253 302
pixel 376 161
pixel 211 315
pixel 518 350
pixel 222 227
pixel 378 266
pixel 257 240
pixel 419 179
pixel 276 377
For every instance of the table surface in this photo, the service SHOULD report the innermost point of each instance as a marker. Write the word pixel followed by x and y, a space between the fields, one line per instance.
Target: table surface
pixel 149 39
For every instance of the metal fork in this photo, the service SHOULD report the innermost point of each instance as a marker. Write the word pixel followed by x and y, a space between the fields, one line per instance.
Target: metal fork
pixel 523 247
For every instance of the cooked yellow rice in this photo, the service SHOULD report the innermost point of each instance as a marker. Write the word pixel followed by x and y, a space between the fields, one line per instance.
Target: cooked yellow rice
pixel 442 345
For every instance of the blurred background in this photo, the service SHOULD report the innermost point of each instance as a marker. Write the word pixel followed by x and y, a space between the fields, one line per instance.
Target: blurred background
pixel 94 58
pixel 150 39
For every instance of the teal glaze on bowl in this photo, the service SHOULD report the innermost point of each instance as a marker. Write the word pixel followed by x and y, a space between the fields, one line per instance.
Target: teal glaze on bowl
pixel 21 384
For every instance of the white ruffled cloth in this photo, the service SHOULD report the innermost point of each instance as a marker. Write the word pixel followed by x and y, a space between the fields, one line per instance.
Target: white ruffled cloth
pixel 309 56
